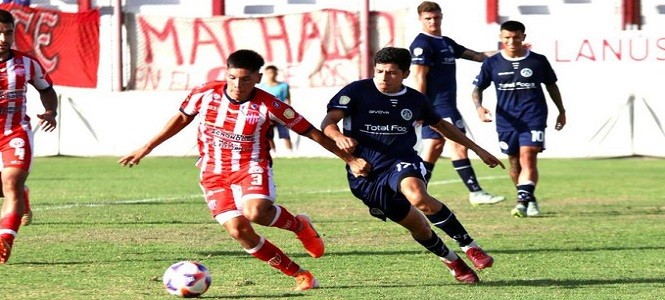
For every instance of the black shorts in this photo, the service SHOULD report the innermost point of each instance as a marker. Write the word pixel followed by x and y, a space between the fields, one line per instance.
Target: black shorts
pixel 380 191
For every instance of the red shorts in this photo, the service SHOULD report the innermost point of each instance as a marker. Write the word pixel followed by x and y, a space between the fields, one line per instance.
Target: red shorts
pixel 226 193
pixel 16 150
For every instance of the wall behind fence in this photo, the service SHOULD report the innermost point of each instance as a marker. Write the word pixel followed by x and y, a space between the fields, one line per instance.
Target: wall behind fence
pixel 615 104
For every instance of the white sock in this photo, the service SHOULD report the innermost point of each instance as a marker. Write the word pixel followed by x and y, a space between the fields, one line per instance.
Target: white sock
pixel 450 257
pixel 469 246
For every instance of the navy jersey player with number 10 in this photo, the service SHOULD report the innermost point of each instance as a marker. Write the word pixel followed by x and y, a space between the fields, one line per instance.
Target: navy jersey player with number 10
pixel 521 112
pixel 380 116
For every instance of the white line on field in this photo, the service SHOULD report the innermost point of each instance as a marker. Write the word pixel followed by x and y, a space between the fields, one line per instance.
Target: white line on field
pixel 123 202
pixel 163 199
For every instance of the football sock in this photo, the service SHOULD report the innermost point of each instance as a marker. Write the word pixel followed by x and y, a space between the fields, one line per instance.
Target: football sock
pixel 429 167
pixel 267 252
pixel 446 221
pixel 284 219
pixel 9 225
pixel 435 245
pixel 525 192
pixel 469 246
pixel 465 171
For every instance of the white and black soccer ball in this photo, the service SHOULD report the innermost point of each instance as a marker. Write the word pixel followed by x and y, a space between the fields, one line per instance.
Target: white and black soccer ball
pixel 187 279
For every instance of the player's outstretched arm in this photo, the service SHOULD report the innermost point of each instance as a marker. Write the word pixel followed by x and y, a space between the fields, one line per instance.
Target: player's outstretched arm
pixel 47 120
pixel 451 132
pixel 331 130
pixel 345 144
pixel 359 167
pixel 473 55
pixel 173 126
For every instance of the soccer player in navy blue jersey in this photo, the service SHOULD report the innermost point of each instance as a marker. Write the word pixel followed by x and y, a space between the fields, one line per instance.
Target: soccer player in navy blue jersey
pixel 434 70
pixel 521 113
pixel 380 116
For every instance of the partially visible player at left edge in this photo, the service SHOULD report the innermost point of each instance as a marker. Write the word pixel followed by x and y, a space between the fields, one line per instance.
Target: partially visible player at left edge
pixel 17 70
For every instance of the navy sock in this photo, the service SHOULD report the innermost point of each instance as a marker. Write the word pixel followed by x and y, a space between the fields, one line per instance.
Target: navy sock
pixel 525 193
pixel 465 171
pixel 435 245
pixel 446 221
pixel 429 167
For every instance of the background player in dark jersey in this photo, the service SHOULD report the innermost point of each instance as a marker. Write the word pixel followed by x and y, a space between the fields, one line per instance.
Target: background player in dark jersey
pixel 521 112
pixel 380 118
pixel 433 65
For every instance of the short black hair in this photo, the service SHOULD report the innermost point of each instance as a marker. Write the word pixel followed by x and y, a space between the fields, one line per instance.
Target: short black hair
pixel 513 26
pixel 393 55
pixel 245 59
pixel 271 67
pixel 6 17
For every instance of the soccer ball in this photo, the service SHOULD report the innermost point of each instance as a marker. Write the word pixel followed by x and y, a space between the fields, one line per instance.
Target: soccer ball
pixel 187 279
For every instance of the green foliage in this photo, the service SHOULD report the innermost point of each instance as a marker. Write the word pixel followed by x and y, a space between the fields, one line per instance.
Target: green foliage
pixel 105 232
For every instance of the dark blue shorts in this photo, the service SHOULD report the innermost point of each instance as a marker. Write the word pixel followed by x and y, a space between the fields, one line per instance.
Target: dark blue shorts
pixel 511 141
pixel 452 116
pixel 380 191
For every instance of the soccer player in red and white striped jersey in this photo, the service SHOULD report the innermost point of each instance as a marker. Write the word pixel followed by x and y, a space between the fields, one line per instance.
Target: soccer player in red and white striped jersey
pixel 17 70
pixel 235 164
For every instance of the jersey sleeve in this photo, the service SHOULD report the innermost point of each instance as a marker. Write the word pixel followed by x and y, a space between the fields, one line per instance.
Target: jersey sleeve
pixel 285 114
pixel 38 76
pixel 549 76
pixel 421 53
pixel 430 116
pixel 342 100
pixel 484 78
pixel 457 48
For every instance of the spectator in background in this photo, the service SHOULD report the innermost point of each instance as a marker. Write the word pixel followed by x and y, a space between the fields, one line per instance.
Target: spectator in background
pixel 235 166
pixel 433 66
pixel 282 92
pixel 17 70
pixel 521 113
pixel 19 2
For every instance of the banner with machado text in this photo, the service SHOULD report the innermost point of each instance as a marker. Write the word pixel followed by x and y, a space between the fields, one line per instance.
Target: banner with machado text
pixel 313 49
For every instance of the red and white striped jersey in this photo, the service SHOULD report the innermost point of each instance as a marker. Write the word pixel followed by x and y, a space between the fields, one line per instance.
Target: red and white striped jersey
pixel 232 134
pixel 15 74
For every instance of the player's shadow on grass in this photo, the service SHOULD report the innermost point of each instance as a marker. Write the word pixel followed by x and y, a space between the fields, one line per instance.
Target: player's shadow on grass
pixel 246 296
pixel 570 283
pixel 328 253
pixel 563 283
pixel 575 249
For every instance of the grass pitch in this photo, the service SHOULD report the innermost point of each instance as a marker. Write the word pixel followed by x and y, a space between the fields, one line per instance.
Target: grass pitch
pixel 106 232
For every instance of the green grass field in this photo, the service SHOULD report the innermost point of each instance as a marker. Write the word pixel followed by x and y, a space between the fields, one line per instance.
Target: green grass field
pixel 106 232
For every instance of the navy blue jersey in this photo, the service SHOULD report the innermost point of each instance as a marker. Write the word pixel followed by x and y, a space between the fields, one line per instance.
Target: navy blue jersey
pixel 383 124
pixel 521 103
pixel 439 54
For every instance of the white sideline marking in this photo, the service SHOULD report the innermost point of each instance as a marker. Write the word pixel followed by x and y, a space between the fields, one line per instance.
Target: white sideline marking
pixel 124 202
pixel 162 199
